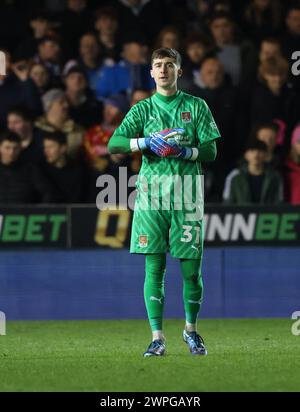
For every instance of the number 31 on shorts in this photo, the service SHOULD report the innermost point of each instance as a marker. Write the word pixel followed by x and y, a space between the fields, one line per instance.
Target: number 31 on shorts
pixel 189 231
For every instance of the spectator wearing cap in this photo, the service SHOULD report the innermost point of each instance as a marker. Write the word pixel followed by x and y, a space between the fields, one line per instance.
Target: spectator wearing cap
pixel 84 108
pixel 20 122
pixel 20 182
pixel 132 72
pixel 65 175
pixel 254 183
pixel 292 170
pixel 57 118
pixel 17 88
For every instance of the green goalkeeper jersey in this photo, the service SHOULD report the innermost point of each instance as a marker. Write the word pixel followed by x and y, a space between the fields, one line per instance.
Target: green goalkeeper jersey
pixel 160 112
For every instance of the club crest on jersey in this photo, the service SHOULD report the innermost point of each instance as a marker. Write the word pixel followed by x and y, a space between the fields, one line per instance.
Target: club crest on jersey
pixel 143 241
pixel 186 117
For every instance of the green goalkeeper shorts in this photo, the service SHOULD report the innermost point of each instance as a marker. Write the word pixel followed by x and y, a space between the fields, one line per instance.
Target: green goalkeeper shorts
pixel 160 231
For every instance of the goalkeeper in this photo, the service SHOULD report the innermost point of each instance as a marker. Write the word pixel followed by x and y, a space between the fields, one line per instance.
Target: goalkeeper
pixel 177 132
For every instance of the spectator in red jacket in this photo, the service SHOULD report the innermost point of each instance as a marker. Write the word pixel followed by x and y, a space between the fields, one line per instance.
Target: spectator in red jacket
pixel 292 170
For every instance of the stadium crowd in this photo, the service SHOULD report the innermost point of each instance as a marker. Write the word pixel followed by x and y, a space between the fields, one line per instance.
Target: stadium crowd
pixel 74 69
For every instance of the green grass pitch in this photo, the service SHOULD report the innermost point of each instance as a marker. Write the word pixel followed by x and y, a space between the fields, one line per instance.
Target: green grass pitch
pixel 243 355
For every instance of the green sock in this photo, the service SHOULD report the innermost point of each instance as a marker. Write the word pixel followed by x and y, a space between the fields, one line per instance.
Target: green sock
pixel 192 288
pixel 154 289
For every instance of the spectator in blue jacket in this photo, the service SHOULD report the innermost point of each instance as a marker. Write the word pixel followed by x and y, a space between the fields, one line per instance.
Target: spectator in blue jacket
pixel 131 73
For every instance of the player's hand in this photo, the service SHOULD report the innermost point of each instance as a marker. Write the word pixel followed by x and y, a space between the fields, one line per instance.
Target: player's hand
pixel 182 152
pixel 163 143
pixel 162 147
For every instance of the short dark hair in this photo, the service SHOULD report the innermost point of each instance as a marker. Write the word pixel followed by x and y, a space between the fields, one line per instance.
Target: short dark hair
pixel 221 15
pixel 256 144
pixel 57 137
pixel 10 137
pixel 166 52
pixel 21 111
pixel 53 38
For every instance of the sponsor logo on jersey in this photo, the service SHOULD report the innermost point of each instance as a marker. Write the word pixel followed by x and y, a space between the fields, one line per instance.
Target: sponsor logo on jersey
pixel 186 117
pixel 143 241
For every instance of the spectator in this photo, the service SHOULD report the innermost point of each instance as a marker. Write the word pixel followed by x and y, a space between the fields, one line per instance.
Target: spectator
pixel 20 182
pixel 40 27
pixel 130 73
pixel 291 39
pixel 270 47
pixel 168 37
pixel 20 122
pixel 136 18
pixel 272 98
pixel 96 140
pixel 268 133
pixel 238 59
pixel 106 25
pixel 65 175
pixel 74 21
pixel 262 18
pixel 198 47
pixel 84 109
pixel 221 98
pixel 57 118
pixel 255 183
pixel 50 54
pixel 16 88
pixel 292 170
pixel 40 76
pixel 199 12
pixel 90 59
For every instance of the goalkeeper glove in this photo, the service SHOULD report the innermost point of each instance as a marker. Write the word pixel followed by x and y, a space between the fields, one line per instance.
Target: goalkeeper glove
pixel 181 152
pixel 163 144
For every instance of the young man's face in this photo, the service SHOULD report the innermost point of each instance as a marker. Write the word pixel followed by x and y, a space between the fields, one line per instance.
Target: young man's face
pixel 18 125
pixel 9 152
pixel 293 22
pixel 196 52
pixel 49 50
pixel 39 75
pixel 76 82
pixel 165 72
pixel 222 31
pixel 53 150
pixel 268 50
pixel 255 157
